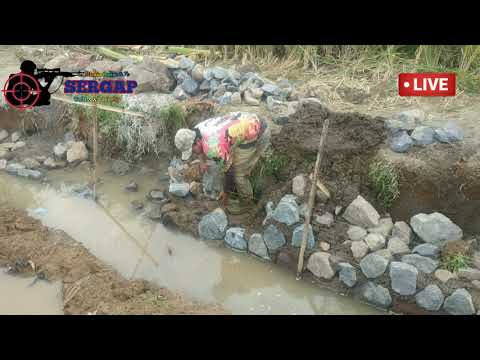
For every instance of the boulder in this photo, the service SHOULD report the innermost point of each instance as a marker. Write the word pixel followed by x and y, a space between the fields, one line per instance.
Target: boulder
pixel 133 187
pixel 397 246
pixel 298 235
pixel 257 246
pixel 435 228
pixel 444 275
pixel 469 274
pixel 376 295
pixel 190 86
pixel 274 238
pixel 3 134
pixel 385 253
pixel 422 263
pixel 459 303
pixel 320 266
pixel 347 274
pixel 449 133
pixel 213 225
pixel 403 278
pixel 15 136
pixel 120 167
pixel 31 163
pixel 359 249
pixel 384 227
pixel 375 241
pixel 78 152
pixel 423 135
pixel 151 75
pixel 326 219
pixel 356 233
pixel 361 213
pixel 185 63
pixel 179 189
pixel 373 266
pixel 402 231
pixel 401 142
pixel 431 298
pixel 428 250
pixel 235 238
pixel 197 73
pixel 286 211
pixel 236 98
pixel 405 121
pixel 299 183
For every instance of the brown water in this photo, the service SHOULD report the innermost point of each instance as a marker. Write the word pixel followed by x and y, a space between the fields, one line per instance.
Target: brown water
pixel 20 297
pixel 138 248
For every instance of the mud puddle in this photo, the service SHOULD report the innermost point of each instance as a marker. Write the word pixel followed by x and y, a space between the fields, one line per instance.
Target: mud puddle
pixel 23 296
pixel 141 249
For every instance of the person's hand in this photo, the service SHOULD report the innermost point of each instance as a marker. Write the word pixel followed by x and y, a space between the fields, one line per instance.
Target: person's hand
pixel 223 198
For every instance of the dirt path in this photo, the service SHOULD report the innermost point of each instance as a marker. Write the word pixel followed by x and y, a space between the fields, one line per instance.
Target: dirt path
pixel 89 286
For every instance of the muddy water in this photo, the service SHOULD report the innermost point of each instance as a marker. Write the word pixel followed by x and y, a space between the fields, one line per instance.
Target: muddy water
pixel 20 296
pixel 140 248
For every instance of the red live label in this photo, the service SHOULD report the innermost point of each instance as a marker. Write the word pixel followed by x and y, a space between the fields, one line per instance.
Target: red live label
pixel 427 84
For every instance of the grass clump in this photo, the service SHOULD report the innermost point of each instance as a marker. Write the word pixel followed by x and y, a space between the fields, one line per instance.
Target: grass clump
pixel 269 166
pixel 384 180
pixel 455 262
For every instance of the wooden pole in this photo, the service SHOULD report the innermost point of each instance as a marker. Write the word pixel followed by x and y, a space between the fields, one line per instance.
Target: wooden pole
pixel 94 130
pixel 311 199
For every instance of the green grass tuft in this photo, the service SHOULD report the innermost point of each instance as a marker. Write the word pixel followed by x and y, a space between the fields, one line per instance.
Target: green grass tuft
pixel 455 262
pixel 384 180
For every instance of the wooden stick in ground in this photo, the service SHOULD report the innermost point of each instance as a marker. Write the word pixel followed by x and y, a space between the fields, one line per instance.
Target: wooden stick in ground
pixel 311 199
pixel 94 130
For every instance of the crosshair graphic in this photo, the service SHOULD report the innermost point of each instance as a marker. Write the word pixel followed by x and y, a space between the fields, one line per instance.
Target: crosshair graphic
pixel 22 91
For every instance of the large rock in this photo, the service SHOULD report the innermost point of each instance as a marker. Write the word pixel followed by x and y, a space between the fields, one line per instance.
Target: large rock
pixel 376 295
pixel 422 263
pixel 235 238
pixel 347 274
pixel 286 211
pixel 213 225
pixel 179 189
pixel 435 228
pixel 403 278
pixel 384 228
pixel 405 121
pixel 298 235
pixel 385 253
pixel 375 241
pixel 449 133
pixel 402 231
pixel 469 274
pixel 397 246
pixel 428 250
pixel 298 185
pixel 190 86
pixel 257 246
pixel 151 75
pixel 361 213
pixel 431 298
pixel 356 233
pixel 423 135
pixel 359 249
pixel 3 135
pixel 78 152
pixel 373 266
pixel 197 73
pixel 274 238
pixel 320 266
pixel 459 303
pixel 401 142
pixel 185 63
pixel 120 167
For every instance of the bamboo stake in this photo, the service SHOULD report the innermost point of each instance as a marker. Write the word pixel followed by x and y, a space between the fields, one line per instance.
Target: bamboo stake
pixel 94 128
pixel 311 199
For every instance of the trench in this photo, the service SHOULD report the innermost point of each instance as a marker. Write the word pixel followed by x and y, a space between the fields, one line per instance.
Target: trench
pixel 143 249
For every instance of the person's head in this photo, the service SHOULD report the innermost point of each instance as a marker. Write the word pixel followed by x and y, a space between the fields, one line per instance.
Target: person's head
pixel 185 142
pixel 28 67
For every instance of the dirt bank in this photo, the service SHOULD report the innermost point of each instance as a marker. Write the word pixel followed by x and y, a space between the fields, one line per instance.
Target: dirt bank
pixel 89 286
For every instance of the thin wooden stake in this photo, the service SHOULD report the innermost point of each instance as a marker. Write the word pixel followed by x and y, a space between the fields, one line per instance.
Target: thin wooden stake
pixel 94 130
pixel 311 199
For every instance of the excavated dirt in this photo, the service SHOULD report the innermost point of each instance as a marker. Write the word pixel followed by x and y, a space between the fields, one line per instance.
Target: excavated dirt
pixel 89 286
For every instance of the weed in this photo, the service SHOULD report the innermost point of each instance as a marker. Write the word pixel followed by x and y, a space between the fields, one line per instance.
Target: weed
pixel 269 166
pixel 384 179
pixel 455 262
